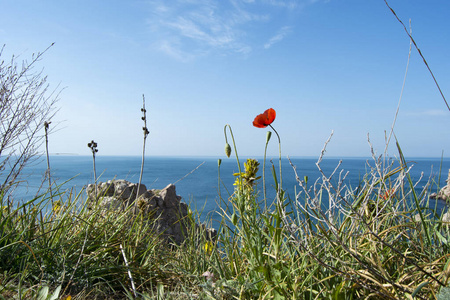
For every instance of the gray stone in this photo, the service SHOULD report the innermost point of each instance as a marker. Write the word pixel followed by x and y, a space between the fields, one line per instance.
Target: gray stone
pixel 109 202
pixel 446 217
pixel 444 193
pixel 127 190
pixel 169 215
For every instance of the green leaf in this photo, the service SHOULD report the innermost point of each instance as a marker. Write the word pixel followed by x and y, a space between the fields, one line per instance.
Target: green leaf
pixel 274 174
pixel 336 295
pixel 441 238
pixel 55 295
pixel 265 271
pixel 160 291
pixel 278 296
pixel 43 293
pixel 419 288
pixel 444 294
pixel 234 219
pixel 276 275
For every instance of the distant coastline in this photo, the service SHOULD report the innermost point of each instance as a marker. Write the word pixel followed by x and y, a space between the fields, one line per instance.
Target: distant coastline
pixel 246 156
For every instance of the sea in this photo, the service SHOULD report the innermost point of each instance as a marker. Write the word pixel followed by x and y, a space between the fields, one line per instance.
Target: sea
pixel 197 179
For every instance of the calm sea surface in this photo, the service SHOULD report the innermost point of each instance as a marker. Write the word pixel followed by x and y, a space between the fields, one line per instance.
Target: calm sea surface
pixel 196 178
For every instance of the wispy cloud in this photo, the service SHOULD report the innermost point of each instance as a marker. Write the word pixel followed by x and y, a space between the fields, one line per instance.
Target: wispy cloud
pixel 172 49
pixel 278 37
pixel 197 27
pixel 185 29
pixel 288 4
pixel 428 113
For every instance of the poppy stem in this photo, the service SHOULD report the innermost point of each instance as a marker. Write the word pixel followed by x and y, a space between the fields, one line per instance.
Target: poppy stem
pixel 235 151
pixel 279 150
pixel 279 206
pixel 264 175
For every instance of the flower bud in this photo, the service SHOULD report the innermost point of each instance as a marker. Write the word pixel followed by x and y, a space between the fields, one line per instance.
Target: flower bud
pixel 227 150
pixel 269 134
pixel 234 219
pixel 219 162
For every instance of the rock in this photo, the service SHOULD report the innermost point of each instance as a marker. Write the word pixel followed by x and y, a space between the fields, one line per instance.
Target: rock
pixel 128 190
pixel 444 193
pixel 169 197
pixel 109 202
pixel 446 217
pixel 164 207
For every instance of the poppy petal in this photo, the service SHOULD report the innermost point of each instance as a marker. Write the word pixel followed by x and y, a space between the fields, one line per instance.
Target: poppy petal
pixel 265 119
pixel 271 114
pixel 260 121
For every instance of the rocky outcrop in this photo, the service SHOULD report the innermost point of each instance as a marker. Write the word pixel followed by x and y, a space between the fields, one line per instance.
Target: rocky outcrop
pixel 445 217
pixel 164 207
pixel 444 193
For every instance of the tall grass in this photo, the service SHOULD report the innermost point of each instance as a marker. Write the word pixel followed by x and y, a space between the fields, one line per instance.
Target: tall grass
pixel 76 245
pixel 378 240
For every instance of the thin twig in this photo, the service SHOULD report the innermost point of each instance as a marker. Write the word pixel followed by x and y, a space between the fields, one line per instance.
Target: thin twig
pixel 46 125
pixel 322 153
pixel 420 53
pixel 128 270
pixel 189 173
pixel 401 93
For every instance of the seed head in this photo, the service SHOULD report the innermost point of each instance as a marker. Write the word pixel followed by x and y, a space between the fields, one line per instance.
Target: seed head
pixel 227 150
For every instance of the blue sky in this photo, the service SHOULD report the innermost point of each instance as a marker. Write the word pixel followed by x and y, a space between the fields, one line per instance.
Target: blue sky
pixel 323 65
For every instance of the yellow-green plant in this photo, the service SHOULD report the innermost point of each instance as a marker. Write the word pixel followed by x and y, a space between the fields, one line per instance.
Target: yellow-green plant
pixel 252 237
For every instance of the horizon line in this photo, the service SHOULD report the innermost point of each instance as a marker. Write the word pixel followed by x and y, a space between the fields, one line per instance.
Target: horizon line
pixel 244 156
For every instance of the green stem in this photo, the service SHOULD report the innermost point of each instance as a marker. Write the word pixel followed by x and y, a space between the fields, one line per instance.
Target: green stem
pixel 279 150
pixel 95 175
pixel 279 205
pixel 144 118
pixel 140 175
pixel 48 161
pixel 236 154
pixel 218 180
pixel 264 175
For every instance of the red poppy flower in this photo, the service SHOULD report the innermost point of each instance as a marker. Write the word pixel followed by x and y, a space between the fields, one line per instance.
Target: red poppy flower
pixel 265 119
